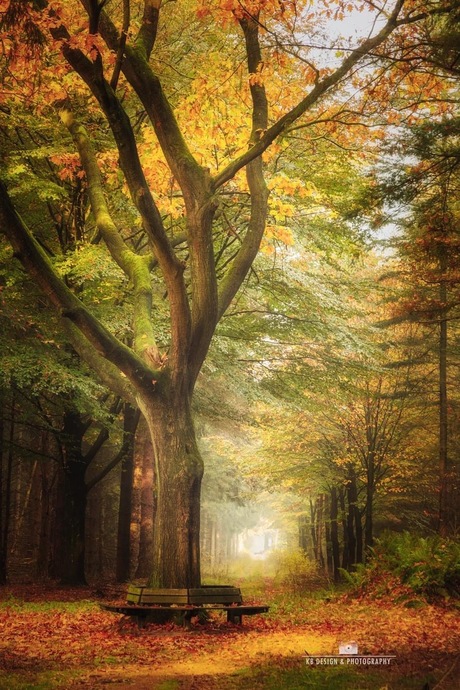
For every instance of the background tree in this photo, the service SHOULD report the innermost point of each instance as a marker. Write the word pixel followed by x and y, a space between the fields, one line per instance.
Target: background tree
pixel 428 249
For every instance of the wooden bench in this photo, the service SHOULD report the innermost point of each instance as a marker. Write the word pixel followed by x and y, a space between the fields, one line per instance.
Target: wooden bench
pixel 161 605
pixel 159 614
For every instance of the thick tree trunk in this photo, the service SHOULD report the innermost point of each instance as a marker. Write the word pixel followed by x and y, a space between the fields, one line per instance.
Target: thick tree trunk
pixel 178 471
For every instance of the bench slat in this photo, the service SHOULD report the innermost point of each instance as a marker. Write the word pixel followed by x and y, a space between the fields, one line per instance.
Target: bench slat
pixel 208 594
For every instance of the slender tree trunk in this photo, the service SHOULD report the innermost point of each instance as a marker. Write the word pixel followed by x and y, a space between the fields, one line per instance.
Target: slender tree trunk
pixel 354 522
pixel 100 521
pixel 6 474
pixel 2 445
pixel 359 534
pixel 303 533
pixel 369 512
pixel 320 529
pixel 47 502
pixel 130 418
pixel 343 511
pixel 335 546
pixel 313 532
pixel 178 474
pixel 351 536
pixel 329 558
pixel 71 567
pixel 443 517
pixel 44 523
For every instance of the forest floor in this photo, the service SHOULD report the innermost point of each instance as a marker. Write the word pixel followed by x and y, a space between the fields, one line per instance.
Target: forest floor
pixel 61 639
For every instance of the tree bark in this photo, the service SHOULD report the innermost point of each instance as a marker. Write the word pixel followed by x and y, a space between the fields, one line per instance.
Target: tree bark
pixel 344 518
pixel 319 530
pixel 313 532
pixel 178 474
pixel 5 496
pixel 126 489
pixel 443 517
pixel 147 500
pixel 354 523
pixel 335 546
pixel 369 511
pixel 43 555
pixel 71 567
pixel 303 533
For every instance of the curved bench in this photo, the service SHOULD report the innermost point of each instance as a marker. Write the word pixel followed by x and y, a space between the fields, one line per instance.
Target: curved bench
pixel 160 605
pixel 159 614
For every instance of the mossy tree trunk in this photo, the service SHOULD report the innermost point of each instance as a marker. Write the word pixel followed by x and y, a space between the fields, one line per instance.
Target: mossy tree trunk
pixel 179 470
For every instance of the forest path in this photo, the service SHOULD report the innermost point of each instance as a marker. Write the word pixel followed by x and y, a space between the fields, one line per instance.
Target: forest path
pixel 225 665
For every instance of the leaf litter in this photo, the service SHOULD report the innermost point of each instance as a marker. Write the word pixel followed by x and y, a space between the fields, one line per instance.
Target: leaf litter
pixel 51 633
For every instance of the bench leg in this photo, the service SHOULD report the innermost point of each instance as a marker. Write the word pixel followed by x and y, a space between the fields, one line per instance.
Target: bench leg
pixel 235 618
pixel 188 619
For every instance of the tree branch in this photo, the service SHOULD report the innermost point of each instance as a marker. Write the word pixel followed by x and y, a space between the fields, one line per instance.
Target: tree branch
pixel 34 259
pixel 137 268
pixel 319 90
pixel 250 245
pixel 170 266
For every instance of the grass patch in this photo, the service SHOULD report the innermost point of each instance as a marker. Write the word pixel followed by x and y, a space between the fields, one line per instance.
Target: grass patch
pixel 12 603
pixel 37 681
pixel 323 678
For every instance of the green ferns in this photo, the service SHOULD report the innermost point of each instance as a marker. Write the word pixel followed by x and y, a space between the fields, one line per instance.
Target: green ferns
pixel 406 565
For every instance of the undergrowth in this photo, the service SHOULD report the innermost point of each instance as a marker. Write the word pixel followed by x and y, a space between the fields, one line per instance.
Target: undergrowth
pixel 407 567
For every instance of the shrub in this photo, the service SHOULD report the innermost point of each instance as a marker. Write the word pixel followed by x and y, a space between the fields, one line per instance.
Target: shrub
pixel 295 571
pixel 405 565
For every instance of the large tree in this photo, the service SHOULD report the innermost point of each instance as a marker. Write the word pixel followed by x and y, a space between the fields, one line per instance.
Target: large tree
pixel 199 262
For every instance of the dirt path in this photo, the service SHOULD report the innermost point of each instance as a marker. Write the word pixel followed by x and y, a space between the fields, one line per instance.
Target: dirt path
pixel 202 670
